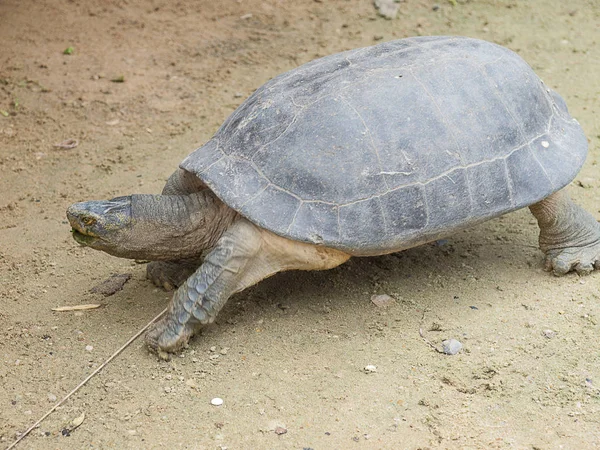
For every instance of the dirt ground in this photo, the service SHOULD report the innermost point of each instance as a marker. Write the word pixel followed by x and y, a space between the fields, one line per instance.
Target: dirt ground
pixel 147 82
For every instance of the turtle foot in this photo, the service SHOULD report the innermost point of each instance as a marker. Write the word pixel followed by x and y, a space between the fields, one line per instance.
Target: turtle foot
pixel 168 336
pixel 169 275
pixel 569 235
pixel 581 259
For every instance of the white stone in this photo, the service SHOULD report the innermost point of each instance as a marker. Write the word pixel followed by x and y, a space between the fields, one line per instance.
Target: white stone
pixel 451 346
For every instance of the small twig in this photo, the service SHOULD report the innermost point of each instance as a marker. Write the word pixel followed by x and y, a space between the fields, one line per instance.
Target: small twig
pixel 427 341
pixel 88 378
pixel 68 144
pixel 76 307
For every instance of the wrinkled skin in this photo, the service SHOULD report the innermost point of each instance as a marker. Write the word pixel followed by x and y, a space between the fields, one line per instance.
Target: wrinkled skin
pixel 569 235
pixel 153 227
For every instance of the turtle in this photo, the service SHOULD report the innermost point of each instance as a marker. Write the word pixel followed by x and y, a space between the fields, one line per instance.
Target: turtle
pixel 366 152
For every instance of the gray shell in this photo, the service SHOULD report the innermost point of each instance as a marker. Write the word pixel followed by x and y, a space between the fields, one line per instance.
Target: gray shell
pixel 379 149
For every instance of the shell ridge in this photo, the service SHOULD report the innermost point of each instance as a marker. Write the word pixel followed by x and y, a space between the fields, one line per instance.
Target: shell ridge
pixel 520 127
pixel 537 160
pixel 295 215
pixel 443 174
pixel 437 106
pixel 511 183
pixel 259 192
pixel 262 147
pixel 368 130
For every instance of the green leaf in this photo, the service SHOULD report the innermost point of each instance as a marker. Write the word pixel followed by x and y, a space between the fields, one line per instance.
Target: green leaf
pixel 69 51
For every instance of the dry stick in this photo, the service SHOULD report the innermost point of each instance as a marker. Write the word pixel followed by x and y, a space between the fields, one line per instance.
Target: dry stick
pixel 89 377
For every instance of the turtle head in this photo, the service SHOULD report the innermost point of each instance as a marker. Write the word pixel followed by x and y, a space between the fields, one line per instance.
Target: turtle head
pixel 153 227
pixel 103 224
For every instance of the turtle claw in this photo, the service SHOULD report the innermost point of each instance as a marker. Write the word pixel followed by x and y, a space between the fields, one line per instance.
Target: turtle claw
pixel 583 260
pixel 168 336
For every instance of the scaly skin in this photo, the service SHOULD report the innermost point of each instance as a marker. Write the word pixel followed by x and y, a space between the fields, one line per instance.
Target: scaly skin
pixel 569 235
pixel 200 298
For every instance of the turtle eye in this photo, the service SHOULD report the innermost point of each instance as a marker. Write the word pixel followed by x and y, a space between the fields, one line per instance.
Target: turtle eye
pixel 89 221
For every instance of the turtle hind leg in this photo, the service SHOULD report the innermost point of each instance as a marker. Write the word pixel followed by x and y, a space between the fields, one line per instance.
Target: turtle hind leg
pixel 242 257
pixel 170 275
pixel 569 235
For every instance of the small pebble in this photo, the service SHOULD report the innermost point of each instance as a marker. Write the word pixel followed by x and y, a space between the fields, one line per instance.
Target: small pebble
pixel 89 348
pixel 387 9
pixel 370 368
pixel 216 401
pixel 51 398
pixel 451 346
pixel 549 334
pixel 382 300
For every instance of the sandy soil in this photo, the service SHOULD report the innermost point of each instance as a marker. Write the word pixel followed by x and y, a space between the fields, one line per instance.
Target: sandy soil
pixel 290 352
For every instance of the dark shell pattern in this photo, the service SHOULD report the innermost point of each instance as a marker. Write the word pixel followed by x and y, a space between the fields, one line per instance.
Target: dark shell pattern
pixel 382 148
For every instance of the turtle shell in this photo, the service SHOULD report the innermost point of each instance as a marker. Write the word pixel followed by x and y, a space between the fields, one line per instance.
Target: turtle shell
pixel 382 148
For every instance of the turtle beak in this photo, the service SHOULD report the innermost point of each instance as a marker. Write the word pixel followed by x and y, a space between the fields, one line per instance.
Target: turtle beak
pixel 84 239
pixel 82 221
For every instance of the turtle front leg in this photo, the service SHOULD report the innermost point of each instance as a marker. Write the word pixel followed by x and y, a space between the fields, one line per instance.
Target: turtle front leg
pixel 569 235
pixel 242 257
